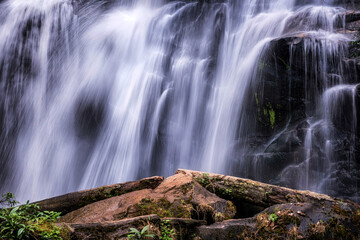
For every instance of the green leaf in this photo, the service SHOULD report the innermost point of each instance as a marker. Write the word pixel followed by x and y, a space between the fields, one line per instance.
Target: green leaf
pixel 14 210
pixel 144 229
pixel 133 230
pixel 21 230
pixel 4 229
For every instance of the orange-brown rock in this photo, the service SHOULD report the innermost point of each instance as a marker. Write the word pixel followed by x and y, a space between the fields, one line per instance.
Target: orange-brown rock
pixel 108 230
pixel 119 230
pixel 178 196
pixel 72 201
pixel 196 205
pixel 253 192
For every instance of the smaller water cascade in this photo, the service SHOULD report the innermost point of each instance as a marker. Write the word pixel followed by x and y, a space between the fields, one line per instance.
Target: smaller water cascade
pixel 340 129
pixel 299 100
pixel 333 119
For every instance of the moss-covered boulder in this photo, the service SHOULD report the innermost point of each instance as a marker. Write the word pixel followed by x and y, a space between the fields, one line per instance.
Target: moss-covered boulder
pixel 330 220
pixel 178 196
pixel 197 205
pixel 251 197
pixel 75 200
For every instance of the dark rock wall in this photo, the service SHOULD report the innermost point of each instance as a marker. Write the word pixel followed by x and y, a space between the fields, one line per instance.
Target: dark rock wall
pixel 287 98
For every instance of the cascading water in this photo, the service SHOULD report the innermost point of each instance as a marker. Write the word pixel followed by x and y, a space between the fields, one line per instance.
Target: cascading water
pixel 114 91
pixel 32 34
pixel 323 55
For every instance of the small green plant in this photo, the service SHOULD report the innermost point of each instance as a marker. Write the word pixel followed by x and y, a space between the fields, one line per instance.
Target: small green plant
pixel 207 182
pixel 205 179
pixel 8 199
pixel 27 221
pixel 228 191
pixel 273 217
pixel 166 231
pixel 143 234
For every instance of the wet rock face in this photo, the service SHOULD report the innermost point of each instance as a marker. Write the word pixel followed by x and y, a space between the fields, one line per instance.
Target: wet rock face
pixel 284 145
pixel 197 205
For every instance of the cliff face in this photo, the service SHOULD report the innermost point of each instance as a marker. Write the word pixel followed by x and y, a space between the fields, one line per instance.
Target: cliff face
pixel 198 205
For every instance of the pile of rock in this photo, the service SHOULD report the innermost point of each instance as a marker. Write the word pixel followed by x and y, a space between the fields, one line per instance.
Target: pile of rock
pixel 198 205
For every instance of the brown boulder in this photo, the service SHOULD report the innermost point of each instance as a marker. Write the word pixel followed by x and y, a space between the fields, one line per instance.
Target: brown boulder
pixel 75 200
pixel 178 196
pixel 110 230
pixel 185 204
pixel 330 220
pixel 251 197
pixel 181 228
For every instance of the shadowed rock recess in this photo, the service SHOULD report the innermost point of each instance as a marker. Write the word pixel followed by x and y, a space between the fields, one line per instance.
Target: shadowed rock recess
pixel 199 205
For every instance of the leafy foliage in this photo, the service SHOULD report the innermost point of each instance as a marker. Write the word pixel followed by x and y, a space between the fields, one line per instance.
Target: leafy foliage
pixel 27 221
pixel 166 231
pixel 273 217
pixel 143 234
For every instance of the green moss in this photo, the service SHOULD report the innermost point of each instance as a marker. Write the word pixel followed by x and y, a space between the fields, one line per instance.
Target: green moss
pixel 338 210
pixel 187 187
pixel 355 43
pixel 232 209
pixel 283 226
pixel 256 99
pixel 271 115
pixel 355 53
pixel 163 208
pixel 336 230
pixel 267 116
pixel 287 66
pixel 356 219
pixel 205 180
pixel 262 65
pixel 272 118
pixel 101 194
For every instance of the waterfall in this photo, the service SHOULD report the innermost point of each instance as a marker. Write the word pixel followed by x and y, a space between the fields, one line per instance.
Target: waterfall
pixel 35 39
pixel 99 92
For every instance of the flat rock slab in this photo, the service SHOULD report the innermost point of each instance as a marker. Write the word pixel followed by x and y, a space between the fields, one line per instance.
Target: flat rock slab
pixel 73 201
